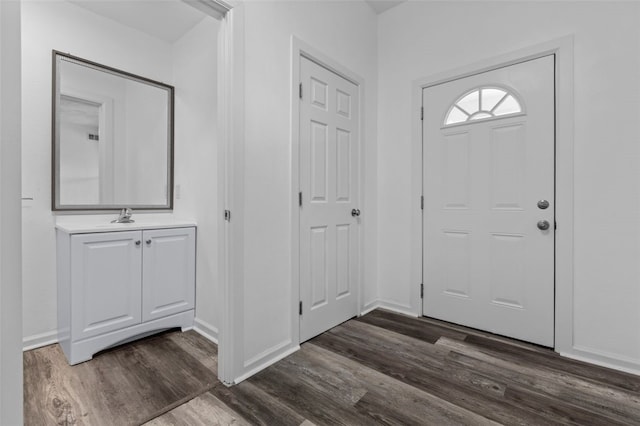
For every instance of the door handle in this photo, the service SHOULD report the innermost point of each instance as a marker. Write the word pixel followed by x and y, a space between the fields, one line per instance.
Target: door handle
pixel 543 225
pixel 355 212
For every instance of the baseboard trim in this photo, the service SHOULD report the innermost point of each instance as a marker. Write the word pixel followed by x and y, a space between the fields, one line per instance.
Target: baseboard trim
pixel 398 308
pixel 39 340
pixel 206 330
pixel 51 337
pixel 267 353
pixel 263 360
pixel 371 306
pixel 602 359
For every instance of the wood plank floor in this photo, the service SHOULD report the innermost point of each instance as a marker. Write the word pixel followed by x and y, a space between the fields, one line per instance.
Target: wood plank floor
pixel 126 385
pixel 386 368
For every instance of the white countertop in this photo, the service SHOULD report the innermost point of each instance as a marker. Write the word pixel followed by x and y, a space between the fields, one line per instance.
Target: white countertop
pixel 85 228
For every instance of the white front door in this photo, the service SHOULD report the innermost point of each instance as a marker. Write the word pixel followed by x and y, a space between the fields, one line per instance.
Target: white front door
pixel 329 193
pixel 488 164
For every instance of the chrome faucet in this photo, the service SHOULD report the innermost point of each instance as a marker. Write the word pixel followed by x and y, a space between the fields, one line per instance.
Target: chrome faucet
pixel 125 216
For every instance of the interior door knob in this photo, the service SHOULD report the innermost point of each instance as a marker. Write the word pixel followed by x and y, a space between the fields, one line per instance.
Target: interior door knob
pixel 543 225
pixel 355 212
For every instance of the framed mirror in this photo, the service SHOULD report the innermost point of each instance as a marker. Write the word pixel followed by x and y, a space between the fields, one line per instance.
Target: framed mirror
pixel 112 137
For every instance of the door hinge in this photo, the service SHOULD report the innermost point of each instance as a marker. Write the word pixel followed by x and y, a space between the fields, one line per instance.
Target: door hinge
pixel 421 113
pixel 300 199
pixel 300 308
pixel 422 202
pixel 227 215
pixel 300 90
pixel 421 291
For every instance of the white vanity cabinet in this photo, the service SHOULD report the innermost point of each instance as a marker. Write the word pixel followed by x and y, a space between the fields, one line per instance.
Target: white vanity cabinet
pixel 120 285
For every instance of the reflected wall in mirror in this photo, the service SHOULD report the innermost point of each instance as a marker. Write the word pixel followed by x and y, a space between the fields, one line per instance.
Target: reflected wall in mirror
pixel 112 138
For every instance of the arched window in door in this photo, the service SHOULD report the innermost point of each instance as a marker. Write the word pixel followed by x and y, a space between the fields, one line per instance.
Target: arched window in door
pixel 483 103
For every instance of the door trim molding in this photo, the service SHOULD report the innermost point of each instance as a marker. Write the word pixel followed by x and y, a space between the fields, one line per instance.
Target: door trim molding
pixel 230 194
pixel 562 48
pixel 300 49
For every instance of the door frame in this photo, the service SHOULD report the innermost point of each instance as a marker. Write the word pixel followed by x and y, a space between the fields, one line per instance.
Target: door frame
pixel 301 49
pixel 11 380
pixel 562 48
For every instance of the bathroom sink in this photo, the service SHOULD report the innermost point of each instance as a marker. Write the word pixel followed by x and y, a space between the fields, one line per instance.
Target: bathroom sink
pixel 139 225
pixel 81 228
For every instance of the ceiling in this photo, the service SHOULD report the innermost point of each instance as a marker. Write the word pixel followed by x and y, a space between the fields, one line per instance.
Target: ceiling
pixel 380 6
pixel 169 20
pixel 166 20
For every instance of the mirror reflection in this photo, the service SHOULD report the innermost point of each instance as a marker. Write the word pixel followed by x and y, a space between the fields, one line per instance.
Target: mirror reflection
pixel 113 138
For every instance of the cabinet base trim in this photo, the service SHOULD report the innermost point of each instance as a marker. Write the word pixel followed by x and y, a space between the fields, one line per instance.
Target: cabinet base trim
pixel 83 350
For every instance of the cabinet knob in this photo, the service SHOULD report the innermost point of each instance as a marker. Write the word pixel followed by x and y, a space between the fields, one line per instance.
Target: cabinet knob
pixel 138 242
pixel 149 241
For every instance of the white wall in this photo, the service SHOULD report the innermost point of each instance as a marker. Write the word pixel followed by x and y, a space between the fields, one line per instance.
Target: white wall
pixel 68 28
pixel 196 158
pixel 345 32
pixel 419 39
pixel 10 242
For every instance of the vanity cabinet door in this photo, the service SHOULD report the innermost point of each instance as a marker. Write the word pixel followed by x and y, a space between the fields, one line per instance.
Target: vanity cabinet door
pixel 168 283
pixel 106 282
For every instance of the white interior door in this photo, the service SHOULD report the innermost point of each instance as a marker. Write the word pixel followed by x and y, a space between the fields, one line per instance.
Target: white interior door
pixel 488 164
pixel 329 194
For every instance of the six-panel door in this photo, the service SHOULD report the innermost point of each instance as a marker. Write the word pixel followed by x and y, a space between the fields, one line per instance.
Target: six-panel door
pixel 329 126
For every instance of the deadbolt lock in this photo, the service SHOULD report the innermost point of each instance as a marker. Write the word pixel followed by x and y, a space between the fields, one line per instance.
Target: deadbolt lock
pixel 543 204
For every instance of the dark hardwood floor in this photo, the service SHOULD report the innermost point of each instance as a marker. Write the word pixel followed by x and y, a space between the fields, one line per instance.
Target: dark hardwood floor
pixel 383 368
